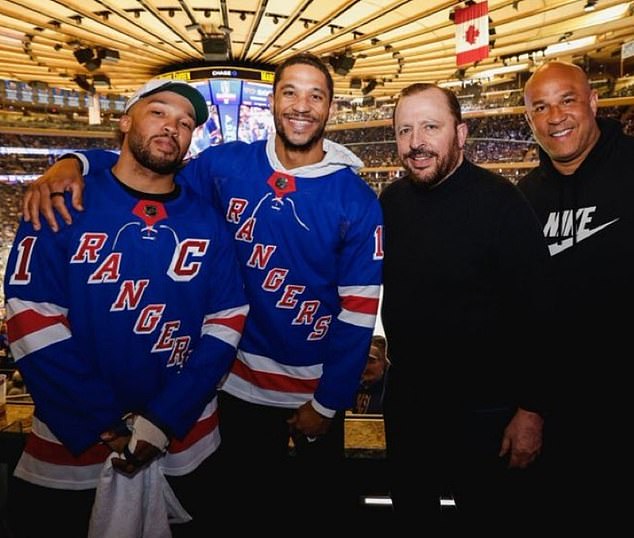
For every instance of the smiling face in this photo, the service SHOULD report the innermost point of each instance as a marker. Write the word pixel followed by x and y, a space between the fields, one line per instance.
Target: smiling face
pixel 561 109
pixel 428 139
pixel 301 106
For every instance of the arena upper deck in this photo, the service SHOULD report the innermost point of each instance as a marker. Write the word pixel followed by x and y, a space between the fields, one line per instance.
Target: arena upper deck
pixel 375 47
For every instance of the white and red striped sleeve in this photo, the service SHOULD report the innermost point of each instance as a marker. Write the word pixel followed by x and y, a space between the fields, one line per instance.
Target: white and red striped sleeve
pixel 226 325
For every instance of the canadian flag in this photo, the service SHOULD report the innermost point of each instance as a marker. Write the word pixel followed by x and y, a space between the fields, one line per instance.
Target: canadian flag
pixel 472 33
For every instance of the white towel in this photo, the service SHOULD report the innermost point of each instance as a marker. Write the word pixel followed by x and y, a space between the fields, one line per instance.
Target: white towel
pixel 141 506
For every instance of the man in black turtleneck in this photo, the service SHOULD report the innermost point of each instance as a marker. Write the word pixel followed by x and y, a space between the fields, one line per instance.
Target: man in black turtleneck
pixel 464 265
pixel 583 194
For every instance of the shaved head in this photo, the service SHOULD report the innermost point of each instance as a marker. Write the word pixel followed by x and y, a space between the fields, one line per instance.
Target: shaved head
pixel 550 69
pixel 560 109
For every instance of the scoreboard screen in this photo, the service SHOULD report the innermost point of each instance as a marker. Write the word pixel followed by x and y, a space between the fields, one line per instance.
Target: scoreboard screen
pixel 238 101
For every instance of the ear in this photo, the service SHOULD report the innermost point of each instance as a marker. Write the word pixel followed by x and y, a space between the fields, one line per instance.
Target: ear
pixel 594 101
pixel 462 131
pixel 271 101
pixel 124 123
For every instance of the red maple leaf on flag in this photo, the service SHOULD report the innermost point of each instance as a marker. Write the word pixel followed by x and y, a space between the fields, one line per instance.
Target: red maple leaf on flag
pixel 472 34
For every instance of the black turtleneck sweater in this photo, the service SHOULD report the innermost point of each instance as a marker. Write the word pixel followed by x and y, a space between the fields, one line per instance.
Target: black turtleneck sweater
pixel 463 276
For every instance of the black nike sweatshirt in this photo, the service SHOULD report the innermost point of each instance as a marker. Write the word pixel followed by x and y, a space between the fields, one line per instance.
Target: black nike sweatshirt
pixel 593 274
pixel 593 254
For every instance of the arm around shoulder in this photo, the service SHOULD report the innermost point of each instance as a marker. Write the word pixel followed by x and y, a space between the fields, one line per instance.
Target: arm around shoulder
pixel 46 195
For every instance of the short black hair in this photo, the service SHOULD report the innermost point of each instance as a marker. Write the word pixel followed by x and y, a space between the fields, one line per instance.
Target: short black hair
pixel 420 87
pixel 305 58
pixel 379 342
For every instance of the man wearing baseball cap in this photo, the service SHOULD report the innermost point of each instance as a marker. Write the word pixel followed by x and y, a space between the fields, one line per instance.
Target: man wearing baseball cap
pixel 122 327
pixel 157 85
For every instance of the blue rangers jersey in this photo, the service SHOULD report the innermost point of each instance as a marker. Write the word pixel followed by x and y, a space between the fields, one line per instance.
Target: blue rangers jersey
pixel 136 307
pixel 310 244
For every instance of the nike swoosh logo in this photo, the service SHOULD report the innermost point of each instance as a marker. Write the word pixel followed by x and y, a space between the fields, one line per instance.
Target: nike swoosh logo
pixel 556 248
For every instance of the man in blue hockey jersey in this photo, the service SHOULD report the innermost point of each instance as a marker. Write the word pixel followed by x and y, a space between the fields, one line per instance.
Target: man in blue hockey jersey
pixel 134 311
pixel 309 237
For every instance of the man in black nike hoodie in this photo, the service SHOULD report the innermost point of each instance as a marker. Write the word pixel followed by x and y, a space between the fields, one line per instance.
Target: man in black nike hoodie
pixel 583 194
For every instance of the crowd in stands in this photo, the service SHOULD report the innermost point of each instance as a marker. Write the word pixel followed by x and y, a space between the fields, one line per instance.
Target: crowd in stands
pixel 23 118
pixel 479 101
pixel 56 142
pixel 492 139
pixel 29 155
pixel 348 112
pixel 15 164
pixel 10 198
pixel 503 139
pixel 471 98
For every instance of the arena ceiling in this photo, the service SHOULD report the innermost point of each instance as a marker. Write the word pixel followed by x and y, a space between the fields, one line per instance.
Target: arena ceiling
pixel 390 43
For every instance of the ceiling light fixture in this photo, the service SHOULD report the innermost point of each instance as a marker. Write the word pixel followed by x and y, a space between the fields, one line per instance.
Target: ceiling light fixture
pixel 101 80
pixel 93 64
pixel 83 83
pixel 108 55
pixel 215 47
pixel 369 87
pixel 565 36
pixel 490 73
pixel 590 6
pixel 83 55
pixel 580 43
pixel 450 83
pixel 342 63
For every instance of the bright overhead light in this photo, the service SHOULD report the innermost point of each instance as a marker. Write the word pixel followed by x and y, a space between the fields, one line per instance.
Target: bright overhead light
pixel 450 83
pixel 608 14
pixel 567 46
pixel 490 73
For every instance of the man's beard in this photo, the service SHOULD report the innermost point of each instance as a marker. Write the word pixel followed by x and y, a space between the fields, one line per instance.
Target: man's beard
pixel 445 165
pixel 288 144
pixel 143 155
